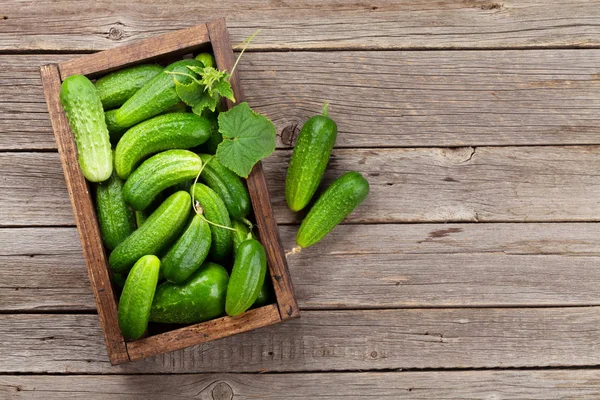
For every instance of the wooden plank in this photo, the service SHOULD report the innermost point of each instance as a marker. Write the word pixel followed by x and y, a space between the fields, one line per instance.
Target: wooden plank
pixel 422 265
pixel 85 217
pixel 171 43
pixel 383 99
pixel 326 340
pixel 257 186
pixel 484 184
pixel 558 384
pixel 307 24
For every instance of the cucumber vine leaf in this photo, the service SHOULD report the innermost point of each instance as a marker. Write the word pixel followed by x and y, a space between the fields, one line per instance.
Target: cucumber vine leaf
pixel 248 137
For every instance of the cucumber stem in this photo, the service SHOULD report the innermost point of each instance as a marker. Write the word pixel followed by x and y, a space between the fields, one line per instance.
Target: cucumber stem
pixel 247 222
pixel 200 212
pixel 326 109
pixel 246 42
pixel 295 250
pixel 183 74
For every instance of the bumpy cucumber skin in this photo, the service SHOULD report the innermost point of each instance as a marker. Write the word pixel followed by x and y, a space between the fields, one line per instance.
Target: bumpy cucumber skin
pixel 200 298
pixel 189 252
pixel 156 96
pixel 247 277
pixel 339 200
pixel 157 233
pixel 136 298
pixel 227 185
pixel 117 87
pixel 158 173
pixel 241 233
pixel 215 211
pixel 165 132
pixel 309 160
pixel 116 218
pixel 114 130
pixel 86 117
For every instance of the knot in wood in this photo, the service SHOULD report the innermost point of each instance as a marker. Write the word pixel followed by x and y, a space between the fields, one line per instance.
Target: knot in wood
pixel 222 391
pixel 115 33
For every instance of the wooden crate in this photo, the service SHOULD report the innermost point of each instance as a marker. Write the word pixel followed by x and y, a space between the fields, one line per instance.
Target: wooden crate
pixel 164 48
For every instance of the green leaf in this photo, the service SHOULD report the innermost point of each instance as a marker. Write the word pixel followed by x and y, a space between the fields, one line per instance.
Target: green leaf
pixel 248 137
pixel 205 101
pixel 191 93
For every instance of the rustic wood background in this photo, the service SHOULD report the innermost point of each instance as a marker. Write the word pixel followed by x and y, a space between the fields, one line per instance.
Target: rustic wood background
pixel 472 271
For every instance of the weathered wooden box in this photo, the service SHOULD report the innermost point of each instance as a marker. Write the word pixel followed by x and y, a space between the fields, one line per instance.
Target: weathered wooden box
pixel 163 48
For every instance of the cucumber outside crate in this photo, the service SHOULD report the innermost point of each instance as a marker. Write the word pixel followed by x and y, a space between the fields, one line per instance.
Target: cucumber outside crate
pixel 164 48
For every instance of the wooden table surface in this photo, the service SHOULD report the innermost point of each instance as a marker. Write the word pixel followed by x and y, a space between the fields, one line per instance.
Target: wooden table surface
pixel 471 272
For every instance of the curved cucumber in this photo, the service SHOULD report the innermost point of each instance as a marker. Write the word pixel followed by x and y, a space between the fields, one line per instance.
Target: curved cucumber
pixel 156 234
pixel 200 298
pixel 309 160
pixel 227 185
pixel 165 132
pixel 189 252
pixel 241 233
pixel 116 219
pixel 216 212
pixel 117 87
pixel 247 277
pixel 86 117
pixel 136 298
pixel 156 96
pixel 339 200
pixel 158 173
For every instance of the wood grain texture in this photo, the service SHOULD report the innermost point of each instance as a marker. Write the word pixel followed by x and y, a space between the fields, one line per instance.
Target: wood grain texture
pixel 484 184
pixel 171 43
pixel 307 24
pixel 326 340
pixel 257 186
pixel 559 384
pixel 370 266
pixel 85 218
pixel 380 99
pixel 204 332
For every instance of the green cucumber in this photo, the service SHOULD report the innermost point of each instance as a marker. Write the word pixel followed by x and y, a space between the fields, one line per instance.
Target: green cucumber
pixel 165 132
pixel 116 219
pixel 309 160
pixel 215 211
pixel 206 59
pixel 156 96
pixel 136 298
pixel 242 233
pixel 227 185
pixel 140 218
pixel 339 200
pixel 210 146
pixel 114 130
pixel 264 296
pixel 158 173
pixel 247 277
pixel 86 117
pixel 161 228
pixel 189 252
pixel 117 87
pixel 200 298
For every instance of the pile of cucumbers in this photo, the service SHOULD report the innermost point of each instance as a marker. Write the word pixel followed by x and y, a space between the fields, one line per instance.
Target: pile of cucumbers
pixel 173 218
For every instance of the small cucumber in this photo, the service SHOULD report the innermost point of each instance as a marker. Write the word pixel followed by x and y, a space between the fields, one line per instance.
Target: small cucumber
pixel 161 228
pixel 156 96
pixel 200 298
pixel 247 277
pixel 117 87
pixel 114 130
pixel 242 233
pixel 215 211
pixel 116 219
pixel 227 185
pixel 339 200
pixel 158 173
pixel 264 296
pixel 165 132
pixel 206 59
pixel 189 252
pixel 309 160
pixel 86 117
pixel 136 298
